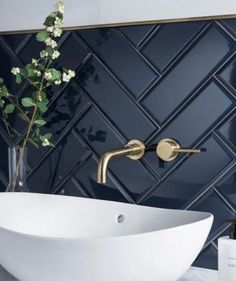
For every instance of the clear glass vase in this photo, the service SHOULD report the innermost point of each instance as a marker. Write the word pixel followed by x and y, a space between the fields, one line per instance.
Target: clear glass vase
pixel 17 164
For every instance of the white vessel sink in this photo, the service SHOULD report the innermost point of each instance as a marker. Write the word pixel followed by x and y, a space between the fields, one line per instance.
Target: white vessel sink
pixel 60 238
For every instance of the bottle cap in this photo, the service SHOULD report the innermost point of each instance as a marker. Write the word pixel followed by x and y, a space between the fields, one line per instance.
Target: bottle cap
pixel 232 234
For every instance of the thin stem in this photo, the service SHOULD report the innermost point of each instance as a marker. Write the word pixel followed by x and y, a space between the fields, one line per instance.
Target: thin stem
pixel 31 123
pixel 30 81
pixel 18 107
pixel 7 126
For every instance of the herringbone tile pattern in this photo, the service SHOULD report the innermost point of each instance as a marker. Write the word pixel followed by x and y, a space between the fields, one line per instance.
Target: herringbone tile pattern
pixel 145 82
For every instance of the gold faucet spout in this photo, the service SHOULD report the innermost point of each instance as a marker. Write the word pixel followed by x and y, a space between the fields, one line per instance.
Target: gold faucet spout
pixel 134 150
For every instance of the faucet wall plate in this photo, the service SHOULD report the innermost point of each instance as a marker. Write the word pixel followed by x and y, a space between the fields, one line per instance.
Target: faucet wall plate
pixel 169 149
pixel 139 149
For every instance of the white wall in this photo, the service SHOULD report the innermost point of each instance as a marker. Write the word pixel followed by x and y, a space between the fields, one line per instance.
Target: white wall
pixel 29 14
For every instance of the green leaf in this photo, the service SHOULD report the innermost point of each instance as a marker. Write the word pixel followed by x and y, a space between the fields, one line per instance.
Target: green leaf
pixel 1 80
pixel 23 72
pixel 49 50
pixel 33 141
pixel 2 103
pixel 9 108
pixel 27 102
pixel 29 68
pixel 37 132
pixel 42 36
pixel 40 122
pixel 18 79
pixel 56 74
pixel 4 91
pixel 23 116
pixel 46 136
pixel 49 21
pixel 42 107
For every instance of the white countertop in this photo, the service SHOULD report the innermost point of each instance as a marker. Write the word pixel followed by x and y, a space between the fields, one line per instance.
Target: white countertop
pixel 193 274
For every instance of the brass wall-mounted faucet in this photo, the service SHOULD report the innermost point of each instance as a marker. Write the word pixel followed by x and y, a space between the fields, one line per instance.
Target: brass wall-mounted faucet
pixel 134 150
pixel 169 149
pixel 166 149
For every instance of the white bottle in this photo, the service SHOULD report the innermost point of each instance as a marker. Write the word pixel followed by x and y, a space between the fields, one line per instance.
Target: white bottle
pixel 227 255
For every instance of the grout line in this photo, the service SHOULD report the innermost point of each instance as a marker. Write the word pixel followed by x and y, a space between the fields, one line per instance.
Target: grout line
pixel 69 174
pixel 146 39
pixel 172 65
pixel 210 185
pixel 119 83
pixel 126 40
pixel 226 201
pixel 66 130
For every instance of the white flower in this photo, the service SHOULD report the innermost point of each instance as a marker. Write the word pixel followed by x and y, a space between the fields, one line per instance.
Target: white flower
pixel 43 54
pixel 45 142
pixel 37 72
pixel 71 73
pixel 48 75
pixel 57 32
pixel 34 62
pixel 15 70
pixel 57 82
pixel 50 42
pixel 65 77
pixel 55 55
pixel 58 21
pixel 49 28
pixel 39 98
pixel 53 44
pixel 60 7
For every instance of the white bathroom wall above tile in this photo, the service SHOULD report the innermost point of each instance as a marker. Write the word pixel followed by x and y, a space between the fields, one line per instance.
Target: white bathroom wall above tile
pixel 28 14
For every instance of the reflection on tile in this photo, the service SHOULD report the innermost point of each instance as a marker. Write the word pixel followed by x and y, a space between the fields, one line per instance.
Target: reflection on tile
pixel 115 102
pixel 86 176
pixel 71 188
pixel 31 50
pixel 232 24
pixel 194 121
pixel 176 86
pixel 14 41
pixel 228 74
pixel 72 53
pixel 65 157
pixel 169 41
pixel 61 113
pixel 228 130
pixel 101 138
pixel 210 256
pixel 228 189
pixel 191 178
pixel 121 58
pixel 212 203
pixel 136 33
pixel 7 62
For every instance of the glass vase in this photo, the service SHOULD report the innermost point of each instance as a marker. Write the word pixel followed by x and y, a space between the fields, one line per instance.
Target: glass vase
pixel 17 164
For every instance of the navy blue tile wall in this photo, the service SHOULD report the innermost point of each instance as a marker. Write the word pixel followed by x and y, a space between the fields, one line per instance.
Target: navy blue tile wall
pixel 144 82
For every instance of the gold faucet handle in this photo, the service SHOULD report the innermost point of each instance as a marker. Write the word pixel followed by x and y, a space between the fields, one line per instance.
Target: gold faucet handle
pixel 138 149
pixel 169 149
